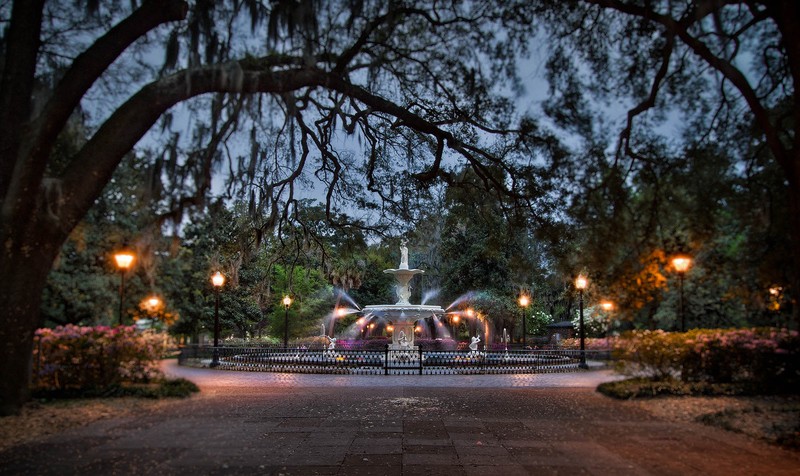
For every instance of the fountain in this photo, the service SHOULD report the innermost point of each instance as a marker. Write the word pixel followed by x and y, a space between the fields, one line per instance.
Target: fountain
pixel 403 315
pixel 402 357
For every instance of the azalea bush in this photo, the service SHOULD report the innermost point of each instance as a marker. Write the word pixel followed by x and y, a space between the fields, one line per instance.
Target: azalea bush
pixel 94 358
pixel 590 343
pixel 763 357
pixel 766 356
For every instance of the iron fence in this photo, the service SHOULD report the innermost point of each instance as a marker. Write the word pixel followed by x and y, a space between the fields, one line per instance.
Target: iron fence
pixel 388 361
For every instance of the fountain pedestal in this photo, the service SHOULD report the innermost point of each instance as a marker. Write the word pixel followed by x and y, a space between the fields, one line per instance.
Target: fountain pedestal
pixel 403 315
pixel 403 336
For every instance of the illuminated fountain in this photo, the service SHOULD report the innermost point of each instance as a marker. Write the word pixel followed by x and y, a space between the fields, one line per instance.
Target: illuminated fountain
pixel 402 357
pixel 403 315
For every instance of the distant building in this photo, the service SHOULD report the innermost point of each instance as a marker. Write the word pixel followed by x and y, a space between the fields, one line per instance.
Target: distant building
pixel 560 330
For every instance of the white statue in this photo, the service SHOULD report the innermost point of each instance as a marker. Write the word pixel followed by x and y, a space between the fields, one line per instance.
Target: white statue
pixel 473 345
pixel 403 340
pixel 331 343
pixel 403 254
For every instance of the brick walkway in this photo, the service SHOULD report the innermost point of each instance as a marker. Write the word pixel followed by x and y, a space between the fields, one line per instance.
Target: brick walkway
pixel 258 423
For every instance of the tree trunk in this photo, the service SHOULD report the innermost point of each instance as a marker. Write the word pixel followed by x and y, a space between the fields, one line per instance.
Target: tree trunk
pixel 794 227
pixel 25 269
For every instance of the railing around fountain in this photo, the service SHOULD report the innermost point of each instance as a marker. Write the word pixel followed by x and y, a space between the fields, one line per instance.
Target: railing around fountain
pixel 390 362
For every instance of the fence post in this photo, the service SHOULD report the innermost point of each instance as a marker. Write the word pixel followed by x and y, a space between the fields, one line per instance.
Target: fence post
pixel 386 360
pixel 419 349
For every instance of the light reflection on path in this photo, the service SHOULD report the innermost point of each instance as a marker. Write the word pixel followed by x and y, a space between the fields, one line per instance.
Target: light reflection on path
pixel 227 378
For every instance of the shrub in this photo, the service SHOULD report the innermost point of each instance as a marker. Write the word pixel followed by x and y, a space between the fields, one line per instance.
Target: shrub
pixel 590 343
pixel 653 354
pixel 94 358
pixel 764 357
pixel 436 344
pixel 639 387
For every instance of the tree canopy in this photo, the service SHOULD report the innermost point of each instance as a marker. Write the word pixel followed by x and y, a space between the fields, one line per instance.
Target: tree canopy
pixel 380 106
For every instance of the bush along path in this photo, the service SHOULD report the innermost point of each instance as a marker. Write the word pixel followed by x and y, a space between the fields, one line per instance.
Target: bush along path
pixel 742 380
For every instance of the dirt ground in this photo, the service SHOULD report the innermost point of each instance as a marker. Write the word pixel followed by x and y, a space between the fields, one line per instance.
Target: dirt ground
pixel 775 419
pixel 41 419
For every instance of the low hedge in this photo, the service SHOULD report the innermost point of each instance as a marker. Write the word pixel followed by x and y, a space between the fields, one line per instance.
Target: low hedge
pixel 643 387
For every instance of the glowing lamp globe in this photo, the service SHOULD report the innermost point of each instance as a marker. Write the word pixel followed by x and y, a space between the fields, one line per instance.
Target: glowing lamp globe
pixel 524 301
pixel 218 279
pixel 287 301
pixel 581 282
pixel 681 263
pixel 124 259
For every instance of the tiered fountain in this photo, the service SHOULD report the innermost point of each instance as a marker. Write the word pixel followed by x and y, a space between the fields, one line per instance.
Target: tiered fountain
pixel 403 315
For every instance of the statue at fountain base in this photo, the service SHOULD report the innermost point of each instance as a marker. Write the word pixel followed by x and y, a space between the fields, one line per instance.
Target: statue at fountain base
pixel 400 336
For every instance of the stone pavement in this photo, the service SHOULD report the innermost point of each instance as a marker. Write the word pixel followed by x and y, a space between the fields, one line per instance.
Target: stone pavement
pixel 260 423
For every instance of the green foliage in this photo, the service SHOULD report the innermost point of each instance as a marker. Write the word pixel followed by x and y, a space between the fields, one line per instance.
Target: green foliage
pixel 83 285
pixel 175 388
pixel 312 300
pixel 655 354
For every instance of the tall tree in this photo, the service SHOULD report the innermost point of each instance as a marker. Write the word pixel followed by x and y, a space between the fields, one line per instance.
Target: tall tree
pixel 408 80
pixel 718 64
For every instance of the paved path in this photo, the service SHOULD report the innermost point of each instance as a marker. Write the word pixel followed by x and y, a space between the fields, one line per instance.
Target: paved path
pixel 259 423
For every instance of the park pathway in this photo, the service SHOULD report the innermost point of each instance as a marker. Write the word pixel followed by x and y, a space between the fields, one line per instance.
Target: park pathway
pixel 502 425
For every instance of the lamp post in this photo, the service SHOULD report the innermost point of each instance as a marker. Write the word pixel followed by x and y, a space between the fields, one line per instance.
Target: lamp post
pixel 124 260
pixel 338 313
pixel 681 264
pixel 152 305
pixel 607 306
pixel 524 300
pixel 287 301
pixel 580 284
pixel 472 327
pixel 217 280
pixel 454 322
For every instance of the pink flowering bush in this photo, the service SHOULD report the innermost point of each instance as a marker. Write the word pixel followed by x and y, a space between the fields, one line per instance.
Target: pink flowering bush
pixel 764 357
pixel 93 358
pixel 590 343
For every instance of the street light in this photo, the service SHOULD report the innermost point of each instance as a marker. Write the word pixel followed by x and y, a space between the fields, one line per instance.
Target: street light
pixel 472 326
pixel 287 301
pixel 607 306
pixel 124 260
pixel 454 320
pixel 681 264
pixel 524 300
pixel 152 305
pixel 217 280
pixel 338 313
pixel 580 284
pixel 153 302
